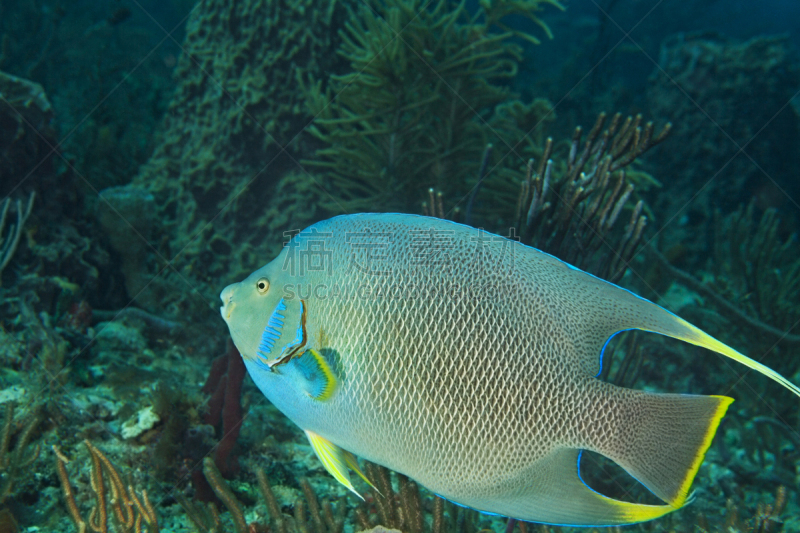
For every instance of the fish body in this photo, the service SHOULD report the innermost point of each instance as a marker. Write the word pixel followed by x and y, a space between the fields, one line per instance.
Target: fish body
pixel 468 362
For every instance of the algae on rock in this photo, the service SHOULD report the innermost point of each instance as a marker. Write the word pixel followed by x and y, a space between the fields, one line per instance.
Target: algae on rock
pixel 233 125
pixel 126 215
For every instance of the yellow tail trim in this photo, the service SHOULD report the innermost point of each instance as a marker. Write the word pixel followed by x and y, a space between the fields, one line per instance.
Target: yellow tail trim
pixel 713 424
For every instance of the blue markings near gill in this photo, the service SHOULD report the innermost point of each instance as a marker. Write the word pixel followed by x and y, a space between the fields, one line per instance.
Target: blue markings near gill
pixel 272 331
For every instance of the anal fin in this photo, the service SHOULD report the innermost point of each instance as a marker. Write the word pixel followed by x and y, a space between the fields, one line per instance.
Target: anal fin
pixel 562 498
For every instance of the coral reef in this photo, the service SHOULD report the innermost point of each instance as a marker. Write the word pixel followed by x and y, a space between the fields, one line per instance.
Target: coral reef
pixel 222 187
pixel 222 173
pixel 130 510
pixel 235 116
pixel 726 96
pixel 27 133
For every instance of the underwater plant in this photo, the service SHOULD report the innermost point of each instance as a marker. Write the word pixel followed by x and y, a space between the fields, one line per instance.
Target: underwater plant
pixel 755 267
pixel 588 196
pixel 13 462
pixel 407 510
pixel 569 206
pixel 310 515
pixel 9 238
pixel 425 81
pixel 130 510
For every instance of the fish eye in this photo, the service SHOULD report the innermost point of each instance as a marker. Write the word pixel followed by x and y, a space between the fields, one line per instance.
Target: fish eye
pixel 262 285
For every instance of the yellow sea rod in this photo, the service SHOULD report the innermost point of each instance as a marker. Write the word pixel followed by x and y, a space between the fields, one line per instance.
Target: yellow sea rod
pixel 467 362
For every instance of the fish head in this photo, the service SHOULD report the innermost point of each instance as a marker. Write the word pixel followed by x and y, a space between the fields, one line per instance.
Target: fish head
pixel 263 324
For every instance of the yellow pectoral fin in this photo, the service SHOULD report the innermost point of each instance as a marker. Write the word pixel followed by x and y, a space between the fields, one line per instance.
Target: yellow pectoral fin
pixel 312 374
pixel 334 459
pixel 327 379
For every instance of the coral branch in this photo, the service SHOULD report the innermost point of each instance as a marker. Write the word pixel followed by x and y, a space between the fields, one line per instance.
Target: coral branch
pixel 731 311
pixel 69 495
pixel 224 493
pixel 9 242
pixel 127 507
pixel 225 404
pixel 13 463
pixel 272 503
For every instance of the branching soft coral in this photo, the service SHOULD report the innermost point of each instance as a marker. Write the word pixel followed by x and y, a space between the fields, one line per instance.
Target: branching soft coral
pixel 756 268
pixel 414 110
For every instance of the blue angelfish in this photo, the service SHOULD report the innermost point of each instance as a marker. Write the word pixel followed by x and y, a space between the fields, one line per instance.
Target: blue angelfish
pixel 469 363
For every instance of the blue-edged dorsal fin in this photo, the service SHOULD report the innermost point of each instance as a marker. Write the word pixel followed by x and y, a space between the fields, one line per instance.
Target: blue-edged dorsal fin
pixel 334 459
pixel 591 311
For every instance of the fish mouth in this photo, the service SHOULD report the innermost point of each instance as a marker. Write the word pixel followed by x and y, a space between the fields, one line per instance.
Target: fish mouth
pixel 228 305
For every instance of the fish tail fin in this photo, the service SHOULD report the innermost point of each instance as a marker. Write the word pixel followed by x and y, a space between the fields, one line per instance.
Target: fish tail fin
pixel 659 439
